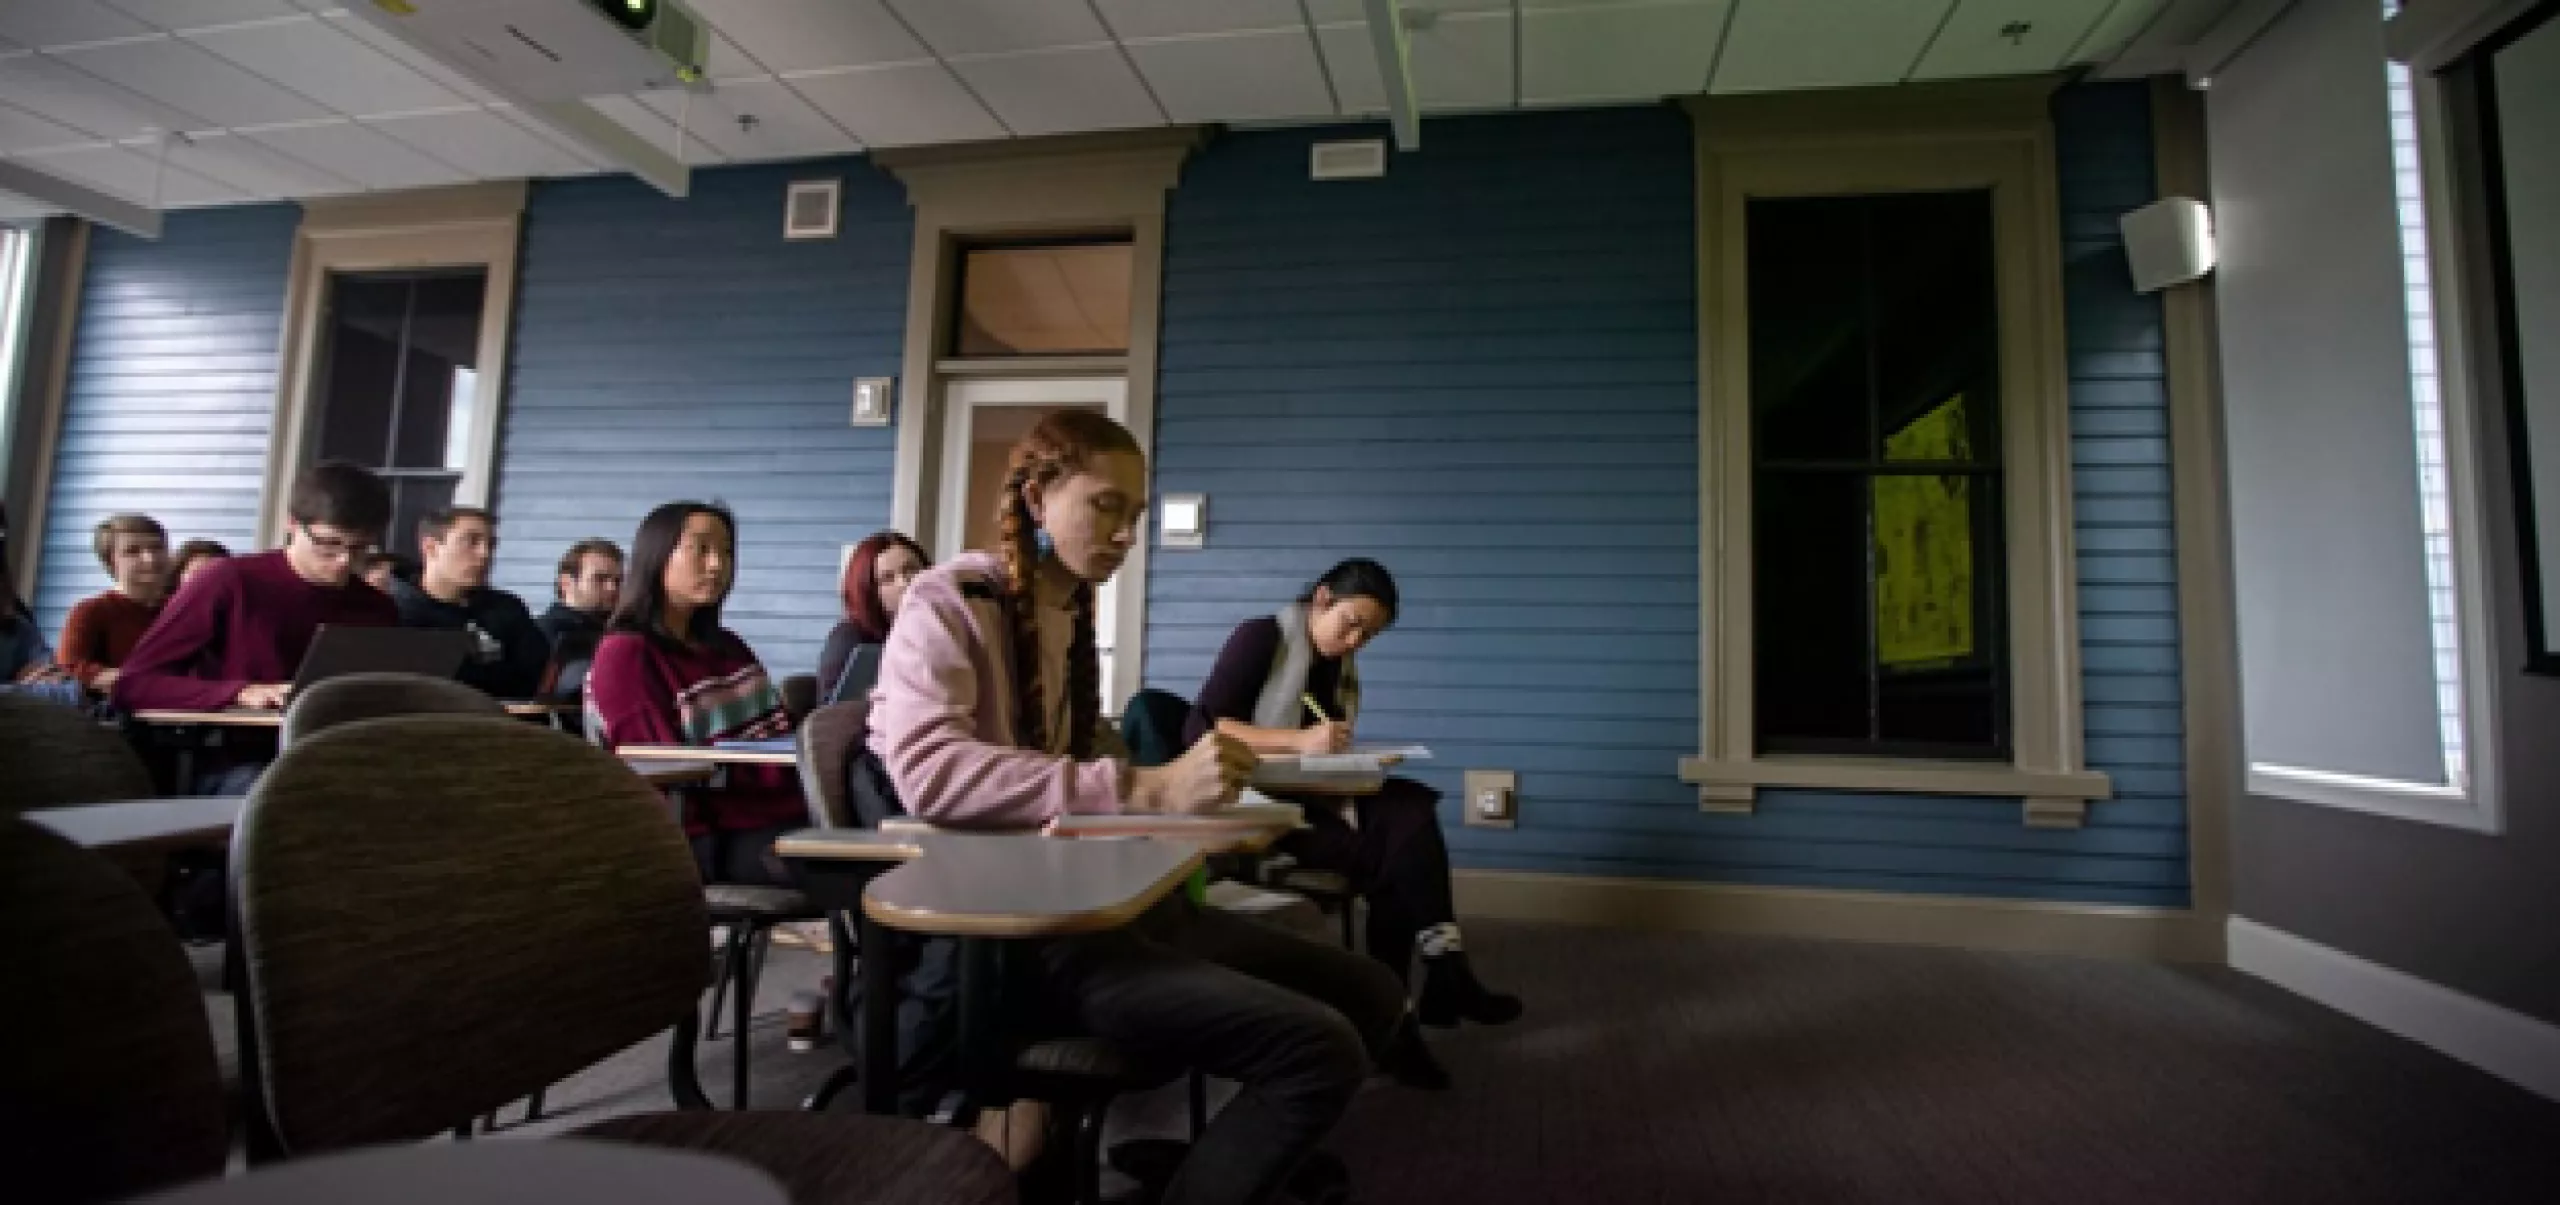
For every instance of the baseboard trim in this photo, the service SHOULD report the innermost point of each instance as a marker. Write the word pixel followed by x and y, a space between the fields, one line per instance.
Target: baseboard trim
pixel 2505 1043
pixel 2035 926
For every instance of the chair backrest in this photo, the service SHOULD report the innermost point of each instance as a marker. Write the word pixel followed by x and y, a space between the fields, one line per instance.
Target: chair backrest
pixel 351 697
pixel 57 757
pixel 113 1086
pixel 829 738
pixel 438 915
pixel 799 695
pixel 1152 724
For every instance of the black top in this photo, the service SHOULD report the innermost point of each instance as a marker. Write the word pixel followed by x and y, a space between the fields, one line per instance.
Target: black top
pixel 845 644
pixel 563 621
pixel 509 652
pixel 1243 666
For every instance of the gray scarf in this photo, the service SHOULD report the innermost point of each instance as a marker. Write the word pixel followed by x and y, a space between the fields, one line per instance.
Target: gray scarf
pixel 1278 706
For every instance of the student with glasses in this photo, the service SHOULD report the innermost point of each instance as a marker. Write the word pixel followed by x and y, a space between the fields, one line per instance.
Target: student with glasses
pixel 236 634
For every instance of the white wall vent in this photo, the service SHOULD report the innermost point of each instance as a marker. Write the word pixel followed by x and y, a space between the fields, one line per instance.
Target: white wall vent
pixel 1348 160
pixel 810 211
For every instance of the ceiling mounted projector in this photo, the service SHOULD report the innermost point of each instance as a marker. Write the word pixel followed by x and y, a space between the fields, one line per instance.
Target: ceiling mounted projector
pixel 544 50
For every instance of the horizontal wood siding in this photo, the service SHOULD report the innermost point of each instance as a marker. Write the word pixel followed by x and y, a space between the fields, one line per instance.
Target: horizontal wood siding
pixel 171 396
pixel 682 349
pixel 1482 369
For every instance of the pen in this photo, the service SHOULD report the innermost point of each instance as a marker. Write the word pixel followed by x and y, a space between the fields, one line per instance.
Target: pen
pixel 1309 699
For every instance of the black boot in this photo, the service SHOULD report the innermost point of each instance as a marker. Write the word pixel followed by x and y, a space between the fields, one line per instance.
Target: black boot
pixel 1451 993
pixel 1410 1062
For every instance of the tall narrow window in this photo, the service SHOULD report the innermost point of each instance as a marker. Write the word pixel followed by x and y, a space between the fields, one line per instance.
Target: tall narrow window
pixel 400 373
pixel 1879 558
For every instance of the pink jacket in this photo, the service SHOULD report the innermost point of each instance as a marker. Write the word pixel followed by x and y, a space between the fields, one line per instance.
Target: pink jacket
pixel 942 715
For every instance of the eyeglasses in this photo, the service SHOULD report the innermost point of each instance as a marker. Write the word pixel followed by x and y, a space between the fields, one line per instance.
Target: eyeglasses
pixel 337 547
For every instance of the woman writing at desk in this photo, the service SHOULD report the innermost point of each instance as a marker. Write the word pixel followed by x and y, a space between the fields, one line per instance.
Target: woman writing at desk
pixel 1264 690
pixel 988 715
pixel 667 673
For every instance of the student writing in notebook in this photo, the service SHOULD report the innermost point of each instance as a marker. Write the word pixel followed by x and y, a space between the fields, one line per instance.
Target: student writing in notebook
pixel 989 715
pixel 667 673
pixel 876 578
pixel 1258 692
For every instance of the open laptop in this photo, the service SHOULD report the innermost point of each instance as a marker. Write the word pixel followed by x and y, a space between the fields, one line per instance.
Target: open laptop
pixel 338 651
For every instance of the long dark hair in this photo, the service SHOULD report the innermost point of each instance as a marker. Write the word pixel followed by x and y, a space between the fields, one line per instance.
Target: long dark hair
pixel 1358 577
pixel 861 585
pixel 644 584
pixel 1060 445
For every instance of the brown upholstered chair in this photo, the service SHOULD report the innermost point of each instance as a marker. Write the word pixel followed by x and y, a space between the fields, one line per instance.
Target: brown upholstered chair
pixel 353 697
pixel 799 695
pixel 59 757
pixel 424 945
pixel 113 1087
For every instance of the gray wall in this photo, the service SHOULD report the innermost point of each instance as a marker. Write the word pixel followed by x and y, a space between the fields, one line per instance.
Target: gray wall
pixel 2470 911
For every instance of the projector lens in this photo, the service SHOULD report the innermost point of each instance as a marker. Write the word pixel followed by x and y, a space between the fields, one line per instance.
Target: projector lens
pixel 629 14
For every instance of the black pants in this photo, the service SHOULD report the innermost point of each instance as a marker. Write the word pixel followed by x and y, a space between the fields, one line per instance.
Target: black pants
pixel 1397 859
pixel 743 856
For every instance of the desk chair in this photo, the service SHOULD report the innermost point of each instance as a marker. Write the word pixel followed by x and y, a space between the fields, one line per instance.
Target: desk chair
pixel 424 946
pixel 113 1085
pixel 799 696
pixel 59 757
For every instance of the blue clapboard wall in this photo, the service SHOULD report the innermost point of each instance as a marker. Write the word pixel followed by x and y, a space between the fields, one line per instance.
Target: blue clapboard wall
pixel 682 349
pixel 171 396
pixel 1482 369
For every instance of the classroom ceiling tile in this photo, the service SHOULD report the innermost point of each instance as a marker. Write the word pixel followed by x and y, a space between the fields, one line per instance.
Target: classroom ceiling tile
pixel 64 22
pixel 53 90
pixel 189 78
pixel 319 60
pixel 487 146
pixel 910 104
pixel 1062 91
pixel 1330 12
pixel 1001 26
pixel 356 152
pixel 1462 61
pixel 756 121
pixel 253 168
pixel 724 60
pixel 408 56
pixel 2007 37
pixel 2116 29
pixel 801 35
pixel 1618 52
pixel 204 14
pixel 1825 43
pixel 1266 76
pixel 1177 18
pixel 657 131
pixel 135 175
pixel 24 131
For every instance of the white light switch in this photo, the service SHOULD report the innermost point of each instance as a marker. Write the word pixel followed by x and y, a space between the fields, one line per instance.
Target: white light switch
pixel 871 401
pixel 1182 520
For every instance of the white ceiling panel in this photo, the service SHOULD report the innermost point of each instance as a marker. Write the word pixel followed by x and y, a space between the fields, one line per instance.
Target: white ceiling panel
pixel 1328 12
pixel 914 104
pixel 1458 62
pixel 1238 77
pixel 63 22
pixel 797 35
pixel 252 168
pixel 2117 28
pixel 317 59
pixel 659 132
pixel 202 14
pixel 189 78
pixel 1825 43
pixel 1062 91
pixel 24 131
pixel 784 125
pixel 1175 18
pixel 133 175
pixel 1999 37
pixel 725 61
pixel 482 143
pixel 1618 52
pixel 52 90
pixel 1001 26
pixel 414 59
pixel 369 157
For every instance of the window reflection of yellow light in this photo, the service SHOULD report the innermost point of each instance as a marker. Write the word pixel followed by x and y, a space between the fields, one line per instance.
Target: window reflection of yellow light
pixel 1924 546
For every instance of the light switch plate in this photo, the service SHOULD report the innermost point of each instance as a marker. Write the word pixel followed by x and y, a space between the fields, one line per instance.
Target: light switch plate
pixel 871 401
pixel 1493 799
pixel 1182 520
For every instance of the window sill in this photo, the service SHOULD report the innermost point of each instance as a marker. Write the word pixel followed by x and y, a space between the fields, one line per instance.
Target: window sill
pixel 2050 799
pixel 2426 803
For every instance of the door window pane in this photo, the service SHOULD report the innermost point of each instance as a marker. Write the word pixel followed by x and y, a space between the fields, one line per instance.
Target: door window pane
pixel 1046 300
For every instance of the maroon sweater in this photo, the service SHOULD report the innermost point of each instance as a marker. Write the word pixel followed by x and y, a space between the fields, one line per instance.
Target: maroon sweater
pixel 239 621
pixel 101 632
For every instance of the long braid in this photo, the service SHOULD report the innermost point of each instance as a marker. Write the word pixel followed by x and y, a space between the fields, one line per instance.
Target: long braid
pixel 1014 544
pixel 1084 677
pixel 1056 447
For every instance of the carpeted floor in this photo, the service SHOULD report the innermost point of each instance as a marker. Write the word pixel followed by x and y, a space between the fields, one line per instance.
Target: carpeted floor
pixel 1666 1067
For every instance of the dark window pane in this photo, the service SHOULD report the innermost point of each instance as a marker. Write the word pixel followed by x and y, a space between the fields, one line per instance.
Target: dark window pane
pixel 411 499
pixel 1064 299
pixel 1809 328
pixel 1936 319
pixel 362 367
pixel 444 337
pixel 1809 618
pixel 1938 602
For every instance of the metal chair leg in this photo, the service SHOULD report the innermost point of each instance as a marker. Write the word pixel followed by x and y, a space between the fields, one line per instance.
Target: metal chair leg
pixel 1199 1104
pixel 533 1105
pixel 462 1133
pixel 1350 906
pixel 684 1079
pixel 733 939
pixel 843 1078
pixel 1089 1152
pixel 743 1000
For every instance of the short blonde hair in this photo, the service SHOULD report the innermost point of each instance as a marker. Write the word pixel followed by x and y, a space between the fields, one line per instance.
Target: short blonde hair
pixel 104 542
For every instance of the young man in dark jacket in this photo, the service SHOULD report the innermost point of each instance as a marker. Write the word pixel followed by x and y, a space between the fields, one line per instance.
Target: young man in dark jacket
pixel 452 592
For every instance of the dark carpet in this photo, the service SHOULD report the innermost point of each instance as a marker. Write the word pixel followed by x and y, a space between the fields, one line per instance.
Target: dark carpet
pixel 1669 1067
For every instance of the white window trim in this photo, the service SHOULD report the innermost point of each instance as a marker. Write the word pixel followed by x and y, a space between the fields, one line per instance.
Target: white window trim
pixel 2472 800
pixel 1992 135
pixel 474 226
